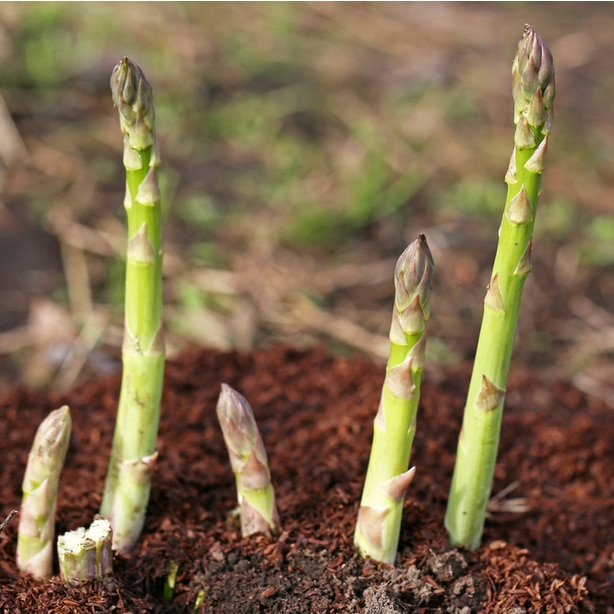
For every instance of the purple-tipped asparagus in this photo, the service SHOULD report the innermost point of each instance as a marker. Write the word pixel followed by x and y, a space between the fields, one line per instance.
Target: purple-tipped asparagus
pixel 36 532
pixel 249 463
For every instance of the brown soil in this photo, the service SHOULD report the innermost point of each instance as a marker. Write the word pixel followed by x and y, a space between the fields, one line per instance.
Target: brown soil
pixel 315 414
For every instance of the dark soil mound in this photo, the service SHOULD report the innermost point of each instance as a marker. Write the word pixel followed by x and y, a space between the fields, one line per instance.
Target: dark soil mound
pixel 315 414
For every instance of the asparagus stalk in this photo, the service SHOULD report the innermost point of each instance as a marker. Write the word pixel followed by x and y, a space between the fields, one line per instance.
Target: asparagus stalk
pixel 381 507
pixel 36 531
pixel 533 94
pixel 85 554
pixel 249 463
pixel 134 444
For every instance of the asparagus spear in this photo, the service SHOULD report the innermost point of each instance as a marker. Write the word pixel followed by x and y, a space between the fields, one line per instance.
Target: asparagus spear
pixel 85 554
pixel 381 507
pixel 533 94
pixel 249 463
pixel 40 487
pixel 134 444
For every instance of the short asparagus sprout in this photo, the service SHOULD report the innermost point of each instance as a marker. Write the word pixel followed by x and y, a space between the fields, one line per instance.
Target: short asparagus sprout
pixel 200 599
pixel 249 463
pixel 86 554
pixel 169 581
pixel 381 507
pixel 533 94
pixel 134 453
pixel 36 532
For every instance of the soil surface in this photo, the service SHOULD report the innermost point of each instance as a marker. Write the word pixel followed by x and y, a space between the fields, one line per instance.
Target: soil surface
pixel 315 413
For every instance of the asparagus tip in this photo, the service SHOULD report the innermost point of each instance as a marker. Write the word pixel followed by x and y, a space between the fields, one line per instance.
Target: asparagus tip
pixel 129 85
pixel 133 96
pixel 413 277
pixel 533 82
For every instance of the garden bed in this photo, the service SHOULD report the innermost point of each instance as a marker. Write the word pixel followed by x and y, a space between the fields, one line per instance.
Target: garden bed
pixel 315 413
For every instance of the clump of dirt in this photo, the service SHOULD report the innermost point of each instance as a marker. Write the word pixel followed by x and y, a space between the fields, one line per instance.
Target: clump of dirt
pixel 315 413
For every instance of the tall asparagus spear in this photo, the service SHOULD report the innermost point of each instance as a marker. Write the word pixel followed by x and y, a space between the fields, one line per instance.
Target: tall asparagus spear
pixel 36 532
pixel 533 94
pixel 134 444
pixel 249 463
pixel 381 507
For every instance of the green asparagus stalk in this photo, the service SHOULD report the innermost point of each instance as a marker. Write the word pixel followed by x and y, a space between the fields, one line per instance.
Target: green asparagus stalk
pixel 249 463
pixel 381 507
pixel 533 94
pixel 134 444
pixel 85 554
pixel 36 532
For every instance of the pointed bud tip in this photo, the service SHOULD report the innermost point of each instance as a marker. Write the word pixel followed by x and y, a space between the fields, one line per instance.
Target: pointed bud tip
pixel 230 402
pixel 225 388
pixel 229 395
pixel 54 431
pixel 413 272
pixel 132 95
pixel 533 62
pixel 63 413
pixel 236 420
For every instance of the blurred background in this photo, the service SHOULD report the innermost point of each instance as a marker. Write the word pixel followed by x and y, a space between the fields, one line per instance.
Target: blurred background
pixel 304 146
